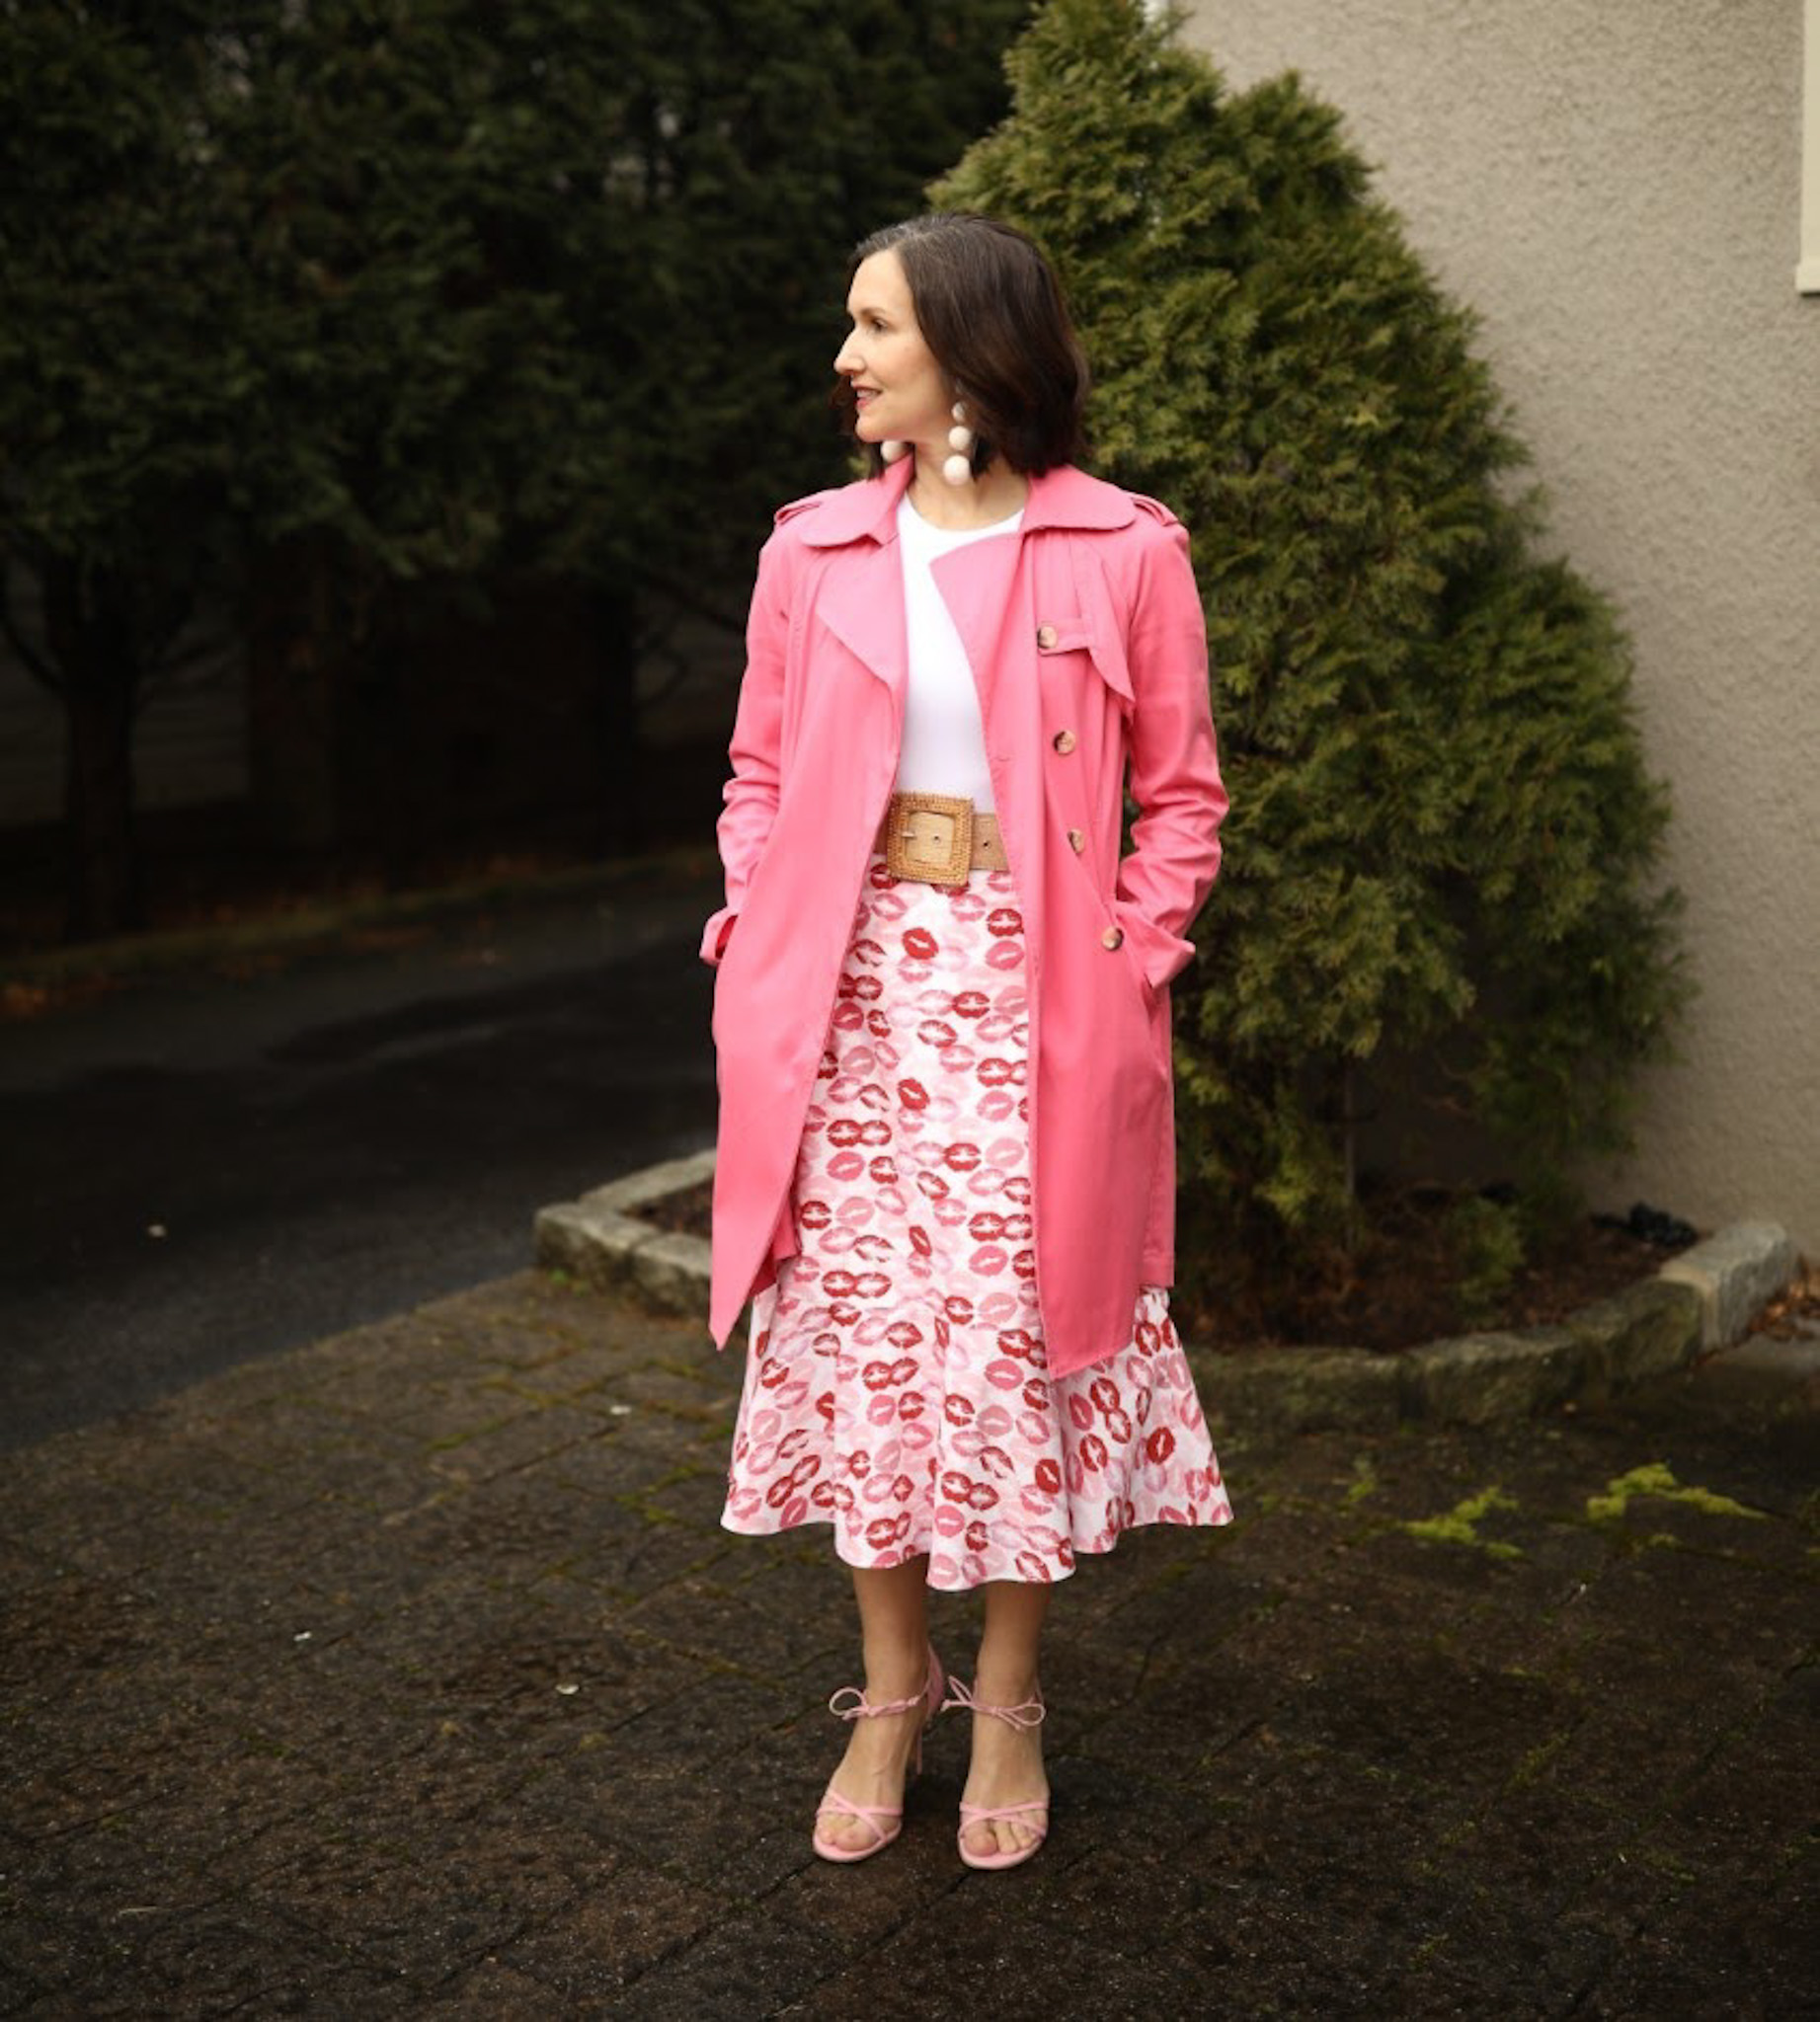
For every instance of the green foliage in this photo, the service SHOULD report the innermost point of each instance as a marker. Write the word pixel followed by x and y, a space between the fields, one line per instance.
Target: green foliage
pixel 1443 838
pixel 115 382
pixel 453 282
pixel 607 239
pixel 1486 1239
pixel 343 295
pixel 767 137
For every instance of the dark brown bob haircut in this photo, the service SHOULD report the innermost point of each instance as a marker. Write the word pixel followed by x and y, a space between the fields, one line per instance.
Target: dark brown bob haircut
pixel 989 307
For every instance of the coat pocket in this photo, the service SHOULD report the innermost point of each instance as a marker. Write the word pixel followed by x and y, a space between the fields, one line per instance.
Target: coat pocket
pixel 1114 939
pixel 1133 961
pixel 1159 954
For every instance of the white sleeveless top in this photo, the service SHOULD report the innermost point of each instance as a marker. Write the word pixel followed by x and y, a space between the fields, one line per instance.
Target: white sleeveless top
pixel 945 740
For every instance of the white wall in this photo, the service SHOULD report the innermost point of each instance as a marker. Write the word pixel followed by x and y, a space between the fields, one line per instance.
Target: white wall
pixel 1617 189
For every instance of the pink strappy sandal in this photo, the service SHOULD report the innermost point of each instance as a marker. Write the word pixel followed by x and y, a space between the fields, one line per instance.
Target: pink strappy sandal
pixel 1029 1714
pixel 886 1821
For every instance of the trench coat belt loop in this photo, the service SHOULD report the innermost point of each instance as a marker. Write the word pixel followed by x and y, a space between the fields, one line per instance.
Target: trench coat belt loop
pixel 938 839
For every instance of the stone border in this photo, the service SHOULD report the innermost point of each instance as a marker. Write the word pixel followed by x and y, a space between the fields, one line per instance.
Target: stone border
pixel 1699 1301
pixel 601 1242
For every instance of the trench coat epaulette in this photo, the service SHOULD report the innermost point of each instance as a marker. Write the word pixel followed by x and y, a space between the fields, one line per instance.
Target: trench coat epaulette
pixel 805 504
pixel 1156 509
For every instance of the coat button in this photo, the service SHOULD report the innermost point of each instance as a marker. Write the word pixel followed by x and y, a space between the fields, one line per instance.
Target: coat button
pixel 1064 741
pixel 1076 840
pixel 1045 637
pixel 1113 937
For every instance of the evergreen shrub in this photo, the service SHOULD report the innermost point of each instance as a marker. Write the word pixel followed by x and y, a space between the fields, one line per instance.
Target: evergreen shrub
pixel 1440 893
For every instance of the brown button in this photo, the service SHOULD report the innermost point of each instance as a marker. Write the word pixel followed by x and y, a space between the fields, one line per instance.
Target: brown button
pixel 1113 937
pixel 1064 741
pixel 1045 637
pixel 1076 840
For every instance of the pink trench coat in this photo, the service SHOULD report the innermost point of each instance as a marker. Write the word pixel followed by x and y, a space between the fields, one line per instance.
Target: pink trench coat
pixel 1090 649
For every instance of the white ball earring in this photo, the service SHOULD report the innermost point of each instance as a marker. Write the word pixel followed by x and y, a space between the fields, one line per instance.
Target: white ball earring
pixel 958 468
pixel 894 452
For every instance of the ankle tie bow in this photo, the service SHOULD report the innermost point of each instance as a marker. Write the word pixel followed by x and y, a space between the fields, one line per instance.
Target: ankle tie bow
pixel 1029 1714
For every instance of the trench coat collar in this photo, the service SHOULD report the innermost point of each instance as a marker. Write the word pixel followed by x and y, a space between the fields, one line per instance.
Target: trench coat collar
pixel 867 509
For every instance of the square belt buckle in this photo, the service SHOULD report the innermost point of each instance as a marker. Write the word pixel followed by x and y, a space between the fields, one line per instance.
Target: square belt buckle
pixel 929 838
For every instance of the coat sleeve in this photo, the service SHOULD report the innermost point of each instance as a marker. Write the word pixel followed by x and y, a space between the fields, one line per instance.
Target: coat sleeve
pixel 1174 759
pixel 750 797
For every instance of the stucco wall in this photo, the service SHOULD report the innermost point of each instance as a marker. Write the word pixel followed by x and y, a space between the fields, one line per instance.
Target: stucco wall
pixel 1616 188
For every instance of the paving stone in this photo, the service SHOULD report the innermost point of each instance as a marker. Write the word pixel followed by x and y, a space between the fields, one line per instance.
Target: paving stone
pixel 962 1955
pixel 225 1960
pixel 1726 1945
pixel 751 1963
pixel 630 1918
pixel 628 1555
pixel 711 1717
pixel 1790 1389
pixel 301 1711
pixel 629 1457
pixel 692 1613
pixel 1317 1882
pixel 79 1521
pixel 512 1444
pixel 1720 1818
pixel 1299 1389
pixel 492 1990
pixel 372 1898
pixel 1437 1717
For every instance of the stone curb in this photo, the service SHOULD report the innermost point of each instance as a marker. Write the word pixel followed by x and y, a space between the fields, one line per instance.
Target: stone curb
pixel 598 1240
pixel 1702 1300
pixel 1735 1275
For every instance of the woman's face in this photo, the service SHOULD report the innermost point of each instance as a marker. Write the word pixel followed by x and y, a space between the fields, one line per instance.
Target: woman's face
pixel 901 393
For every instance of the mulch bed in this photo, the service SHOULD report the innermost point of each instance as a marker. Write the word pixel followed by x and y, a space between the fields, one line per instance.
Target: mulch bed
pixel 1795 1314
pixel 1395 1292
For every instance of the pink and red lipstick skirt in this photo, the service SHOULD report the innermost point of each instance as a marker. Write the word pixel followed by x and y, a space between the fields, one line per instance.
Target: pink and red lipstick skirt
pixel 896 1385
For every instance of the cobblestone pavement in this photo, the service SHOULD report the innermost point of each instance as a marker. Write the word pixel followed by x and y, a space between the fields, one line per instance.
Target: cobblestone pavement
pixel 411 1672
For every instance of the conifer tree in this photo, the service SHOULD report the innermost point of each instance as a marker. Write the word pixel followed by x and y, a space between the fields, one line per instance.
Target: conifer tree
pixel 307 303
pixel 1440 883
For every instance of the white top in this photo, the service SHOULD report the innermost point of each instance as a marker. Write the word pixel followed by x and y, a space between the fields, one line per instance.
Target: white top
pixel 945 740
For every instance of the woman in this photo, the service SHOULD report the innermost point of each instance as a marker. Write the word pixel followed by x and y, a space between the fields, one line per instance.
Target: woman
pixel 946 1167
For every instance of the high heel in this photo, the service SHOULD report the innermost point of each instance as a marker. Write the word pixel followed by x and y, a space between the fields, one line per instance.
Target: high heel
pixel 1030 1714
pixel 885 1821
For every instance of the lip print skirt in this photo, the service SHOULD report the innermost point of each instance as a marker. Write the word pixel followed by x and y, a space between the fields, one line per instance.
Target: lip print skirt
pixel 896 1385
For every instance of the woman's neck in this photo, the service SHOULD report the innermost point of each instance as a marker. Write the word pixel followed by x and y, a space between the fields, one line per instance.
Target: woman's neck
pixel 994 495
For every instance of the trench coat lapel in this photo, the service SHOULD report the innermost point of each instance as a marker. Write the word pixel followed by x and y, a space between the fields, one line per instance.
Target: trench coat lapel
pixel 981 585
pixel 862 605
pixel 861 597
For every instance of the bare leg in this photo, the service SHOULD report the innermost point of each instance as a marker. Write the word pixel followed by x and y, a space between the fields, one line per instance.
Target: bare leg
pixel 1007 1762
pixel 893 1638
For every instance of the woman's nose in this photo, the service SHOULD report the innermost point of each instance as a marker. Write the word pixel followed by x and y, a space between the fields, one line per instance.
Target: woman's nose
pixel 846 359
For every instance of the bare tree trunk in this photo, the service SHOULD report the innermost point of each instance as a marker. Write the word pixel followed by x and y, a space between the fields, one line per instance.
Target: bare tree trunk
pixel 294 647
pixel 97 655
pixel 619 823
